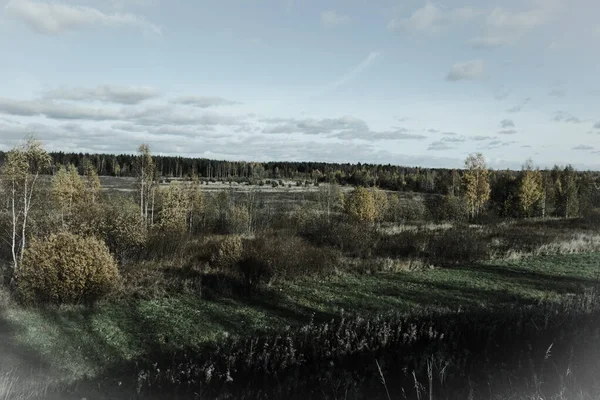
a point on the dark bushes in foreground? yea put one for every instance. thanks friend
(550, 349)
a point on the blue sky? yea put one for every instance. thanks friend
(401, 82)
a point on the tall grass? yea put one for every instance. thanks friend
(545, 350)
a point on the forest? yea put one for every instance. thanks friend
(194, 278)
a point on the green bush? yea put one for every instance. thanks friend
(401, 210)
(288, 257)
(447, 208)
(461, 245)
(353, 238)
(66, 268)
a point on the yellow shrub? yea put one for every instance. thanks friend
(360, 205)
(66, 268)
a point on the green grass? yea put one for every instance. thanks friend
(75, 341)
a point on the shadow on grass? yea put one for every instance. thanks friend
(112, 338)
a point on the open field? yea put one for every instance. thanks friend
(75, 342)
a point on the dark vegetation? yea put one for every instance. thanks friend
(324, 293)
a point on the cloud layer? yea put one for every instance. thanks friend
(54, 18)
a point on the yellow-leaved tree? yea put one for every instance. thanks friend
(360, 205)
(530, 188)
(476, 181)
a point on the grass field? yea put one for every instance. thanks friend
(69, 343)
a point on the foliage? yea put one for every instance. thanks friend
(476, 183)
(447, 208)
(530, 188)
(125, 229)
(19, 176)
(567, 199)
(402, 210)
(66, 268)
(173, 215)
(380, 198)
(360, 205)
(238, 220)
(67, 190)
(227, 253)
(460, 245)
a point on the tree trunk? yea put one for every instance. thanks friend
(14, 228)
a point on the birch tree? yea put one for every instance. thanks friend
(530, 188)
(145, 170)
(19, 178)
(476, 180)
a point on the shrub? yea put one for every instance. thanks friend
(380, 198)
(125, 230)
(227, 253)
(447, 208)
(400, 210)
(456, 246)
(275, 256)
(238, 220)
(66, 268)
(355, 239)
(360, 205)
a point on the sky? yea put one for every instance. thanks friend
(403, 82)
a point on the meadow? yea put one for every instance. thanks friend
(196, 288)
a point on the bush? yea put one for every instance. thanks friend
(456, 246)
(360, 205)
(401, 210)
(66, 268)
(276, 256)
(125, 230)
(447, 208)
(238, 220)
(227, 253)
(354, 239)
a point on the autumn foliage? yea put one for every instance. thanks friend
(66, 268)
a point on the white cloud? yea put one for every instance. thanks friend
(54, 110)
(561, 116)
(583, 147)
(104, 93)
(507, 123)
(500, 26)
(332, 18)
(439, 146)
(557, 93)
(480, 138)
(431, 19)
(508, 132)
(506, 27)
(54, 18)
(469, 70)
(203, 101)
(519, 107)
